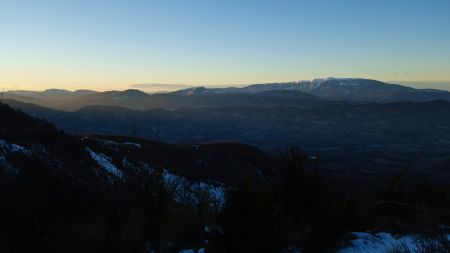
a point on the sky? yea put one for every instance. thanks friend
(105, 45)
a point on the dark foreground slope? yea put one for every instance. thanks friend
(67, 193)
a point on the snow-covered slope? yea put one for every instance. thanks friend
(386, 243)
(105, 162)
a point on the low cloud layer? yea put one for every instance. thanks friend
(426, 84)
(152, 87)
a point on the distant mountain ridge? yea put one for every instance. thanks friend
(337, 89)
(138, 100)
(51, 94)
(299, 93)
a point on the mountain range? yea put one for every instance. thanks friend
(106, 178)
(301, 93)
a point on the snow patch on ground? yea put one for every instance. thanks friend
(110, 142)
(374, 243)
(132, 144)
(216, 193)
(8, 148)
(187, 191)
(192, 251)
(13, 148)
(292, 250)
(380, 243)
(7, 166)
(106, 163)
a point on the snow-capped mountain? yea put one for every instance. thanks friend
(337, 89)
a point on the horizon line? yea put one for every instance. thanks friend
(181, 86)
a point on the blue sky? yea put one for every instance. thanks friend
(114, 44)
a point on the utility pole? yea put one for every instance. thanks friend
(133, 127)
(3, 93)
